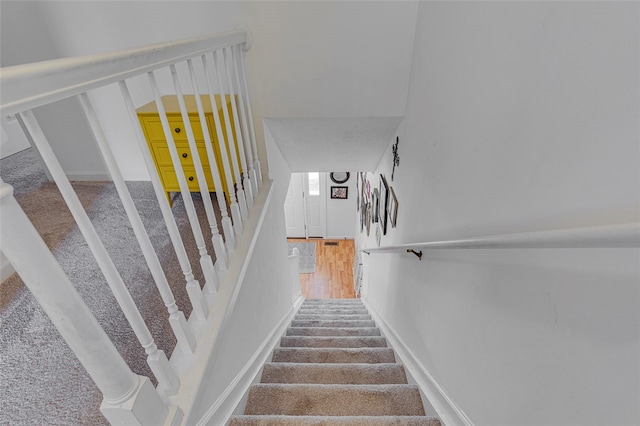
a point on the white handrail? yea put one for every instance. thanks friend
(608, 236)
(32, 85)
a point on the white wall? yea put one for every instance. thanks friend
(340, 212)
(520, 117)
(13, 139)
(26, 36)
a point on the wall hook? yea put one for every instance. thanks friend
(417, 253)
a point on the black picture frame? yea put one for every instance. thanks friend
(339, 177)
(384, 203)
(340, 192)
(393, 207)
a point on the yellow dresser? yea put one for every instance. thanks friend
(154, 134)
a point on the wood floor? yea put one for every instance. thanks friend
(333, 278)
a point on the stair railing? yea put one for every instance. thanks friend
(608, 236)
(26, 87)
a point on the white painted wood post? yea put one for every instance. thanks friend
(242, 201)
(216, 238)
(168, 381)
(213, 164)
(177, 320)
(128, 398)
(251, 185)
(198, 303)
(235, 208)
(254, 142)
(211, 279)
(227, 55)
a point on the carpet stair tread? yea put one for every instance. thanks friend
(332, 317)
(333, 331)
(333, 342)
(332, 323)
(334, 355)
(334, 421)
(346, 374)
(333, 367)
(335, 400)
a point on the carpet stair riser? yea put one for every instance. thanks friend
(342, 305)
(334, 421)
(337, 323)
(344, 374)
(335, 400)
(333, 342)
(334, 355)
(332, 317)
(333, 331)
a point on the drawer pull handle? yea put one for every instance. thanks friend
(185, 155)
(191, 178)
(177, 129)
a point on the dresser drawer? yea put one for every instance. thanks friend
(154, 131)
(163, 156)
(170, 180)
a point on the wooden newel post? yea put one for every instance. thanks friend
(128, 398)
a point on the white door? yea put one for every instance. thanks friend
(316, 205)
(305, 206)
(294, 208)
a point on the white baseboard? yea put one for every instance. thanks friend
(222, 410)
(447, 410)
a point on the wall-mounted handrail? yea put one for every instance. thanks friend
(608, 236)
(32, 85)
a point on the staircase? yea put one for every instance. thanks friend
(333, 368)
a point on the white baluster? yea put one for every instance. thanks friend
(211, 279)
(178, 322)
(167, 379)
(242, 201)
(128, 398)
(217, 180)
(245, 126)
(254, 142)
(230, 67)
(198, 303)
(235, 208)
(216, 238)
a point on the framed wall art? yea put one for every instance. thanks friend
(375, 205)
(393, 207)
(339, 177)
(339, 192)
(384, 203)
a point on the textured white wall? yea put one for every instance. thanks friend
(521, 117)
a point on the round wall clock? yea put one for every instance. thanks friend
(340, 177)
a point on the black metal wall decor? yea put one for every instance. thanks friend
(396, 157)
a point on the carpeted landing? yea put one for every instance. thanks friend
(333, 368)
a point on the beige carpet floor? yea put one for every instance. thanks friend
(41, 381)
